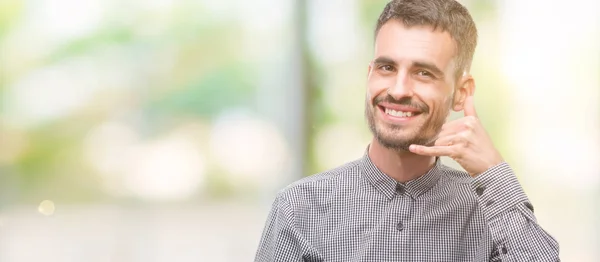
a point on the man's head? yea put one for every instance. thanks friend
(423, 54)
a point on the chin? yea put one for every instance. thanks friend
(401, 139)
(398, 133)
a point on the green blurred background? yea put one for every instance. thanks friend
(160, 130)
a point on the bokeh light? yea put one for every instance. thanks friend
(46, 208)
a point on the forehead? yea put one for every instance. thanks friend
(415, 43)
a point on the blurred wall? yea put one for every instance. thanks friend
(550, 58)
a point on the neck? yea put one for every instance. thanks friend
(402, 166)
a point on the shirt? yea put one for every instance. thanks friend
(357, 213)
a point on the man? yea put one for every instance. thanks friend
(398, 202)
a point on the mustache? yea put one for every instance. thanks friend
(405, 101)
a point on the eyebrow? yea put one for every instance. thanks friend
(384, 60)
(421, 64)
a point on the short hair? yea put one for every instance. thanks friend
(446, 15)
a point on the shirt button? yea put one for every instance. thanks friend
(479, 190)
(529, 205)
(504, 250)
(490, 202)
(400, 226)
(400, 189)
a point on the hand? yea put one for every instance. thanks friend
(466, 141)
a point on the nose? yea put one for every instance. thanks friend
(401, 87)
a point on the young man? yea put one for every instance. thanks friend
(398, 202)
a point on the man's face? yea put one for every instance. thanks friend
(410, 85)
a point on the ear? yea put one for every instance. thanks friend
(465, 87)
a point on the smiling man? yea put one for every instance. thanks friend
(399, 202)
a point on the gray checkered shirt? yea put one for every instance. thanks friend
(357, 213)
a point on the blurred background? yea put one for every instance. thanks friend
(161, 130)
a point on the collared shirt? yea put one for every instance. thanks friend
(357, 213)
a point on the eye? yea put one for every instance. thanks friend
(387, 68)
(424, 73)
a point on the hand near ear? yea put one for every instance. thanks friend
(466, 141)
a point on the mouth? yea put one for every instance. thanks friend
(399, 113)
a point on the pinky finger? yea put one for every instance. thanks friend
(433, 150)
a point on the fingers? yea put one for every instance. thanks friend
(449, 131)
(433, 150)
(467, 124)
(469, 107)
(450, 145)
(450, 140)
(454, 135)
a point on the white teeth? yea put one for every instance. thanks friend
(398, 113)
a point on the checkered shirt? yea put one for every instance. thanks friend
(357, 213)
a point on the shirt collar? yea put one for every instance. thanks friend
(390, 187)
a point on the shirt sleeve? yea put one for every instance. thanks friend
(280, 240)
(512, 223)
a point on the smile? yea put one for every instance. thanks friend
(398, 113)
(392, 112)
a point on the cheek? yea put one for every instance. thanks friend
(437, 90)
(376, 86)
(438, 109)
(442, 107)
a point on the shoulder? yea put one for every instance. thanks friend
(456, 182)
(317, 187)
(455, 176)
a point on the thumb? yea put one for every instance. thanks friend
(469, 107)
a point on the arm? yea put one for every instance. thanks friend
(513, 226)
(515, 232)
(280, 240)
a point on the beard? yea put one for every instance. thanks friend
(423, 130)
